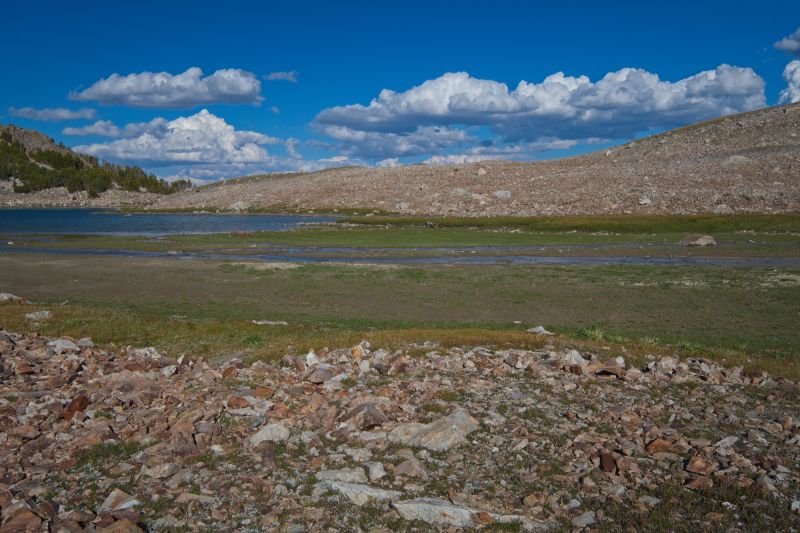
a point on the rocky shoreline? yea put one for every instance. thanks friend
(366, 439)
(61, 197)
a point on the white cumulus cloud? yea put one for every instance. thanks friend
(202, 147)
(200, 138)
(382, 145)
(620, 105)
(791, 74)
(106, 128)
(291, 76)
(790, 43)
(52, 114)
(165, 90)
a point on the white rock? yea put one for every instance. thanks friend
(150, 352)
(376, 470)
(275, 432)
(8, 297)
(161, 471)
(727, 442)
(85, 342)
(239, 206)
(348, 475)
(584, 519)
(359, 455)
(169, 371)
(311, 359)
(699, 240)
(38, 315)
(269, 323)
(63, 345)
(573, 357)
(439, 435)
(441, 512)
(371, 436)
(360, 494)
(435, 511)
(667, 364)
(648, 501)
(539, 330)
(502, 195)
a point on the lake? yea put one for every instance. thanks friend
(112, 222)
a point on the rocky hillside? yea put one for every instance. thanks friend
(34, 141)
(741, 163)
(367, 439)
(31, 162)
(62, 197)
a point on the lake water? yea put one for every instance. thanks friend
(20, 222)
(111, 222)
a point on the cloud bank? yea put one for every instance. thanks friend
(561, 107)
(52, 114)
(165, 90)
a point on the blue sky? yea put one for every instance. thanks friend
(468, 58)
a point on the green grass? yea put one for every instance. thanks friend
(610, 223)
(683, 510)
(107, 451)
(699, 309)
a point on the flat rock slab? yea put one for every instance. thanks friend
(276, 432)
(442, 512)
(348, 475)
(699, 240)
(63, 345)
(439, 435)
(360, 494)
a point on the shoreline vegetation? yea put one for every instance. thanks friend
(203, 337)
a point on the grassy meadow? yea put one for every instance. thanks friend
(206, 307)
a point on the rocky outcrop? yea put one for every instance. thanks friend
(131, 439)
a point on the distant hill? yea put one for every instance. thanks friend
(748, 162)
(34, 162)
